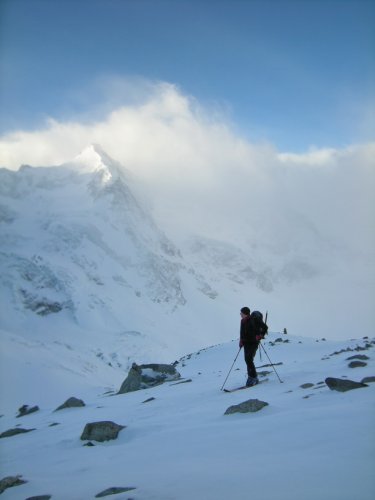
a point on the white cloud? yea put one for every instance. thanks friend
(313, 157)
(201, 175)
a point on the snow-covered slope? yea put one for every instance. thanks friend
(308, 443)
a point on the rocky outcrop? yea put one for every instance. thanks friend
(361, 357)
(148, 400)
(26, 410)
(9, 481)
(114, 491)
(14, 432)
(71, 403)
(368, 345)
(249, 406)
(145, 376)
(101, 431)
(343, 385)
(357, 364)
(40, 497)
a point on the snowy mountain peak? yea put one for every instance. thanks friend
(77, 246)
(94, 159)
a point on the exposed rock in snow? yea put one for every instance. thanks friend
(114, 491)
(10, 481)
(26, 410)
(149, 375)
(40, 497)
(307, 385)
(101, 431)
(14, 432)
(361, 357)
(357, 364)
(71, 403)
(343, 385)
(249, 406)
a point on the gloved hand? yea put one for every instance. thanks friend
(240, 344)
(259, 337)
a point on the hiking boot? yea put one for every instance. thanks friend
(252, 381)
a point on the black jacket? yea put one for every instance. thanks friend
(248, 331)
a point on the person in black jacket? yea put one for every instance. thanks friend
(249, 340)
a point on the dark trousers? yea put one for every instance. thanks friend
(249, 352)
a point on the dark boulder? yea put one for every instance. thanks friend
(40, 497)
(343, 385)
(101, 431)
(307, 385)
(249, 406)
(71, 403)
(361, 357)
(14, 432)
(114, 491)
(10, 481)
(26, 410)
(146, 376)
(357, 364)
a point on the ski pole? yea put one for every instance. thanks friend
(271, 363)
(235, 359)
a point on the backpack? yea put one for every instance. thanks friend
(259, 326)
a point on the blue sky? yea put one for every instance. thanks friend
(294, 73)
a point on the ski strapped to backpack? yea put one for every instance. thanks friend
(264, 327)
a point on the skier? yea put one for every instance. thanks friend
(249, 340)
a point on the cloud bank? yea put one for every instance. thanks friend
(202, 176)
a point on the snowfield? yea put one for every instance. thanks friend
(308, 443)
